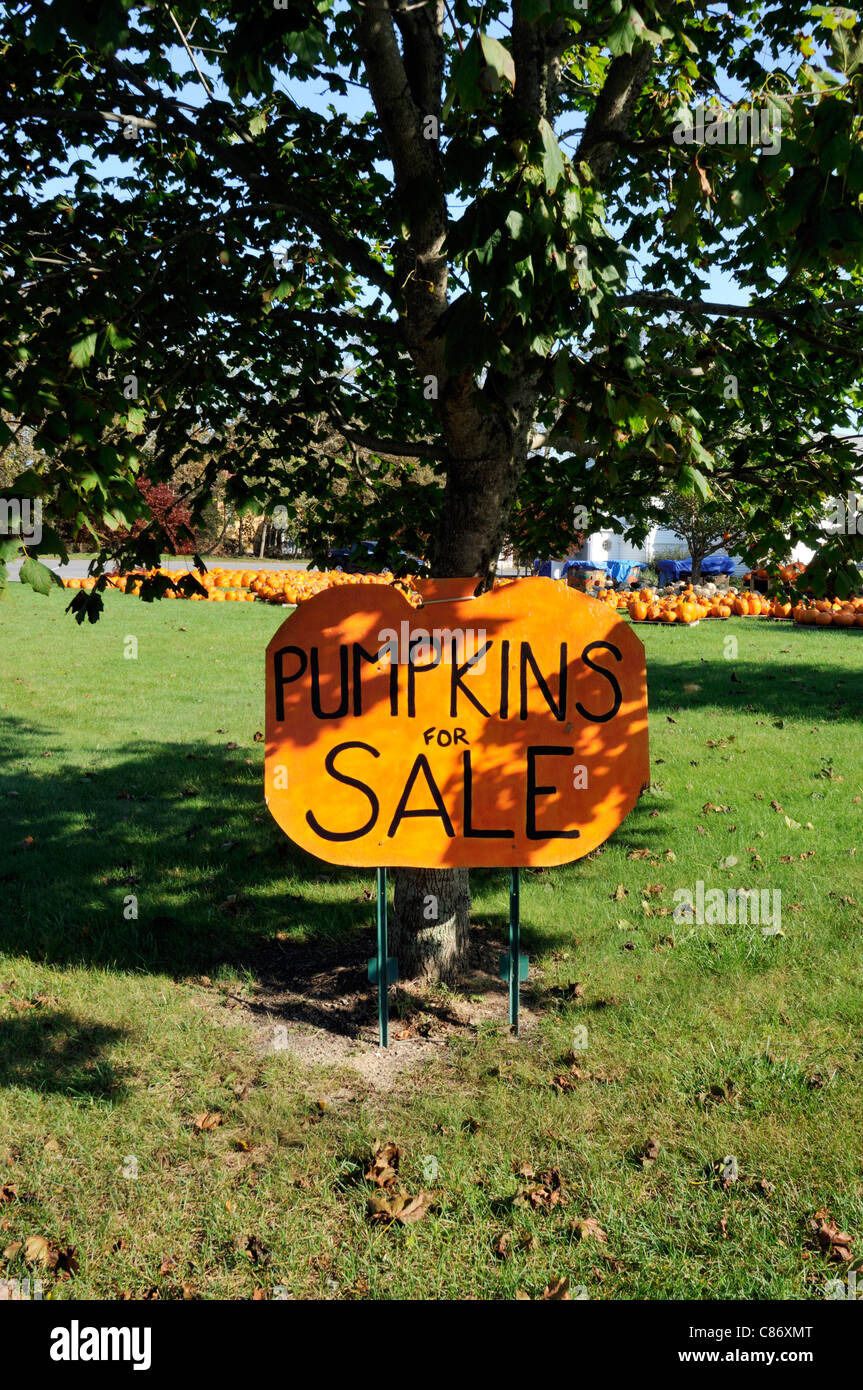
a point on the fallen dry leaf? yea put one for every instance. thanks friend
(651, 1151)
(384, 1169)
(399, 1206)
(501, 1246)
(716, 1095)
(573, 989)
(543, 1194)
(207, 1120)
(36, 1250)
(415, 1208)
(834, 1244)
(588, 1228)
(557, 1289)
(255, 1251)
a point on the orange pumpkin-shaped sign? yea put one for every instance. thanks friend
(509, 729)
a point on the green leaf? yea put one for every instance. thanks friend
(86, 604)
(692, 480)
(552, 160)
(38, 576)
(498, 57)
(622, 35)
(464, 79)
(82, 350)
(533, 10)
(116, 338)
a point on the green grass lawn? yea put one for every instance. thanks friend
(143, 777)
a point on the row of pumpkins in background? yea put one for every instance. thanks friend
(688, 607)
(685, 606)
(244, 586)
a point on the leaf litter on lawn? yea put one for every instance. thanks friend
(389, 1202)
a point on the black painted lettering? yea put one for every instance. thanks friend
(533, 791)
(609, 676)
(557, 707)
(456, 682)
(421, 766)
(330, 765)
(413, 667)
(360, 654)
(282, 680)
(470, 832)
(317, 708)
(504, 679)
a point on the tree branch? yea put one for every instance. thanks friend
(610, 117)
(673, 304)
(404, 91)
(391, 448)
(349, 250)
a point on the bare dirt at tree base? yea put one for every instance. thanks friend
(318, 1005)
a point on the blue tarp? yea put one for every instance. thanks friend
(711, 564)
(620, 570)
(556, 569)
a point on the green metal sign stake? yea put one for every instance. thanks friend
(383, 972)
(383, 969)
(514, 945)
(513, 966)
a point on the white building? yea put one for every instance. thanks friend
(660, 544)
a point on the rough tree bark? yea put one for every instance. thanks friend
(431, 923)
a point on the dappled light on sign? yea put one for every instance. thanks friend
(505, 729)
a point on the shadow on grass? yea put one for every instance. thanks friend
(47, 1050)
(167, 860)
(790, 690)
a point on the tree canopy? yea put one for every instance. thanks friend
(480, 243)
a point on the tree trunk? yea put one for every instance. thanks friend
(431, 927)
(478, 497)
